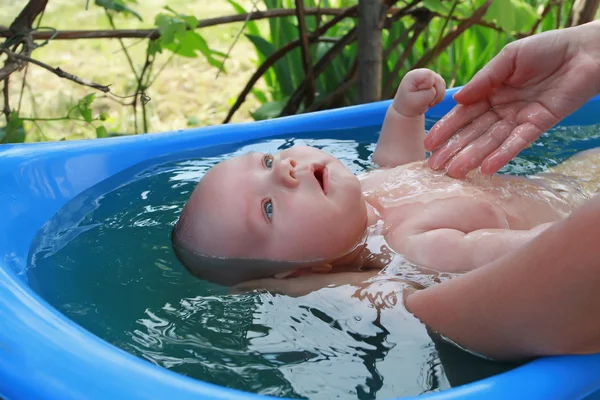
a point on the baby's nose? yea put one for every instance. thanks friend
(287, 172)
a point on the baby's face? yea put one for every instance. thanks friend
(298, 205)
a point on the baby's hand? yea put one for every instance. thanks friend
(419, 90)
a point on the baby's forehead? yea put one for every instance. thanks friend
(218, 211)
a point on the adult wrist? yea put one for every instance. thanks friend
(589, 38)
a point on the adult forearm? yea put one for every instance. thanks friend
(543, 299)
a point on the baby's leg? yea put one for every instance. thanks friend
(584, 167)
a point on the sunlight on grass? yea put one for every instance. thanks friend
(185, 94)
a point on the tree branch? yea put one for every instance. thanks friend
(280, 53)
(543, 14)
(349, 80)
(296, 98)
(388, 88)
(306, 59)
(155, 33)
(453, 34)
(24, 20)
(5, 93)
(57, 71)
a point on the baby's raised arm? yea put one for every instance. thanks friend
(402, 134)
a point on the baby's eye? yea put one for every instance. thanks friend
(268, 208)
(268, 161)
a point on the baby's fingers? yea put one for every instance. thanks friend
(440, 90)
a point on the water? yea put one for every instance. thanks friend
(105, 261)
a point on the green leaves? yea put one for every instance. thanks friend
(83, 106)
(14, 132)
(511, 15)
(177, 35)
(118, 6)
(101, 132)
(269, 110)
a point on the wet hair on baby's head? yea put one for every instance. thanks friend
(221, 270)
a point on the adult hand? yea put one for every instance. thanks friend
(526, 89)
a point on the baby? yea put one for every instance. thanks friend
(302, 211)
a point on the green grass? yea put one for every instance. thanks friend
(186, 94)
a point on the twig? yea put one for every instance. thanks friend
(141, 88)
(537, 23)
(237, 37)
(28, 14)
(163, 67)
(155, 33)
(296, 98)
(306, 59)
(388, 89)
(559, 13)
(22, 88)
(129, 60)
(456, 68)
(294, 102)
(280, 53)
(349, 80)
(453, 34)
(5, 92)
(443, 30)
(19, 32)
(392, 46)
(57, 71)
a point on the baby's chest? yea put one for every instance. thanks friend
(421, 203)
(393, 190)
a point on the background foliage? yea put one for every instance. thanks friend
(152, 80)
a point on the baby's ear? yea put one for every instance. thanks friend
(321, 268)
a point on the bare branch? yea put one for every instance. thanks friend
(388, 88)
(24, 20)
(277, 55)
(583, 11)
(453, 34)
(296, 98)
(341, 90)
(543, 14)
(57, 71)
(306, 59)
(392, 46)
(559, 13)
(155, 33)
(393, 12)
(20, 35)
(5, 93)
(237, 37)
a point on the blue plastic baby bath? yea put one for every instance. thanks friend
(43, 355)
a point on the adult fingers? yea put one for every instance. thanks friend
(456, 119)
(475, 153)
(521, 137)
(497, 71)
(442, 155)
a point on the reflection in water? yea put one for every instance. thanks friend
(105, 261)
